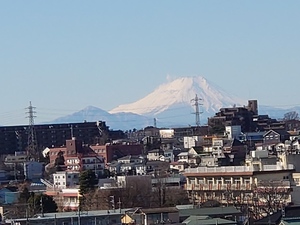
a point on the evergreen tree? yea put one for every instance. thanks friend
(87, 181)
(39, 203)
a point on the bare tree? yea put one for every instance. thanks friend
(293, 115)
(269, 197)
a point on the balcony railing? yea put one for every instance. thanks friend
(222, 169)
(218, 187)
(238, 169)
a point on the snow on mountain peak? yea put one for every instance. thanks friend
(180, 92)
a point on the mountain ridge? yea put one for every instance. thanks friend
(170, 105)
(181, 90)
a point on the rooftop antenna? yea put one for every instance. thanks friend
(32, 151)
(72, 132)
(197, 111)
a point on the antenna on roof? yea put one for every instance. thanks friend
(72, 133)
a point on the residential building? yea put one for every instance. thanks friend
(233, 132)
(169, 215)
(112, 151)
(228, 184)
(66, 179)
(78, 157)
(153, 155)
(242, 116)
(33, 171)
(178, 166)
(273, 137)
(111, 217)
(15, 138)
(193, 141)
(9, 195)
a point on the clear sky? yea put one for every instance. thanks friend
(66, 55)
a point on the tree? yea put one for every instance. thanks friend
(59, 161)
(87, 181)
(269, 197)
(41, 203)
(217, 129)
(24, 195)
(293, 115)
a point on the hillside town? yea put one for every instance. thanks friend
(240, 168)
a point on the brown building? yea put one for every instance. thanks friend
(112, 152)
(77, 156)
(15, 138)
(242, 116)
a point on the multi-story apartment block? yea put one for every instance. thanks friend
(15, 138)
(232, 184)
(234, 116)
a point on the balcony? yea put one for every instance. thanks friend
(222, 169)
(218, 187)
(238, 169)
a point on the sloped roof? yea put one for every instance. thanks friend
(205, 220)
(211, 211)
(160, 210)
(232, 143)
(280, 132)
(272, 219)
(155, 151)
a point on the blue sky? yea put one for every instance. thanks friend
(66, 55)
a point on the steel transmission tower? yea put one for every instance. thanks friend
(32, 151)
(197, 112)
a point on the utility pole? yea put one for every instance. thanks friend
(41, 202)
(112, 201)
(79, 220)
(119, 203)
(32, 151)
(197, 111)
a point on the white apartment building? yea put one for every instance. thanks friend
(78, 162)
(190, 142)
(229, 184)
(65, 179)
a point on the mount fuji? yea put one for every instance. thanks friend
(172, 104)
(181, 92)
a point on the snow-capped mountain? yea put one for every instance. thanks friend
(170, 105)
(173, 102)
(181, 92)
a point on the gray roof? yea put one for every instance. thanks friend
(96, 213)
(203, 220)
(210, 211)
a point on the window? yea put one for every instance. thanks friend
(237, 180)
(219, 180)
(209, 180)
(227, 180)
